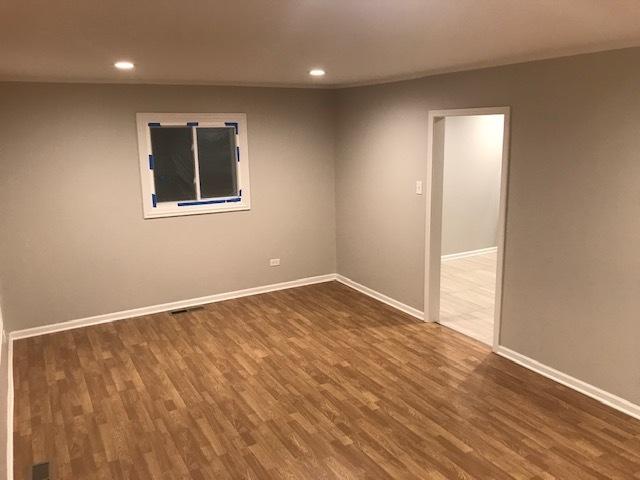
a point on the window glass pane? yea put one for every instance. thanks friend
(217, 162)
(174, 170)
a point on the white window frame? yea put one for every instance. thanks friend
(154, 209)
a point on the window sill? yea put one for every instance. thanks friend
(173, 211)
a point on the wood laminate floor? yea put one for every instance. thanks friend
(467, 295)
(317, 382)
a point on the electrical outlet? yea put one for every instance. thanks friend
(419, 187)
(274, 262)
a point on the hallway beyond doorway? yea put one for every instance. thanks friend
(467, 295)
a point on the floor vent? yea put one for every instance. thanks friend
(185, 310)
(40, 472)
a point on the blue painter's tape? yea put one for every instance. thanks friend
(154, 200)
(238, 153)
(209, 202)
(192, 124)
(154, 124)
(232, 124)
(200, 202)
(152, 162)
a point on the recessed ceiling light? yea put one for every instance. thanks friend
(124, 65)
(317, 72)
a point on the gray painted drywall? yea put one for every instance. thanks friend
(73, 242)
(4, 396)
(571, 281)
(471, 183)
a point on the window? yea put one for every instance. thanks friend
(193, 163)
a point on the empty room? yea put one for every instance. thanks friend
(313, 239)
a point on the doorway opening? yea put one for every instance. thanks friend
(465, 228)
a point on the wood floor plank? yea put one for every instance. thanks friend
(317, 382)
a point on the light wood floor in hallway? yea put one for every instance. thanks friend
(317, 382)
(467, 295)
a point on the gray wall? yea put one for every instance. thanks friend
(73, 242)
(471, 182)
(571, 280)
(4, 396)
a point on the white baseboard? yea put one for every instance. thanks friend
(587, 389)
(596, 393)
(414, 312)
(470, 253)
(165, 307)
(606, 398)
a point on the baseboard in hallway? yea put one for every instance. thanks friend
(470, 253)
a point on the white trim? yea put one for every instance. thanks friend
(10, 396)
(166, 307)
(585, 388)
(172, 209)
(606, 398)
(414, 312)
(433, 223)
(463, 112)
(196, 162)
(470, 253)
(600, 395)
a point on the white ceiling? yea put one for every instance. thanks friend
(276, 42)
